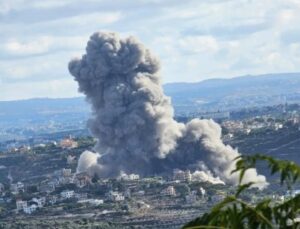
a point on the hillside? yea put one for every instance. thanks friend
(214, 94)
(236, 93)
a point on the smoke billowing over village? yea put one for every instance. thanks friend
(149, 114)
(133, 120)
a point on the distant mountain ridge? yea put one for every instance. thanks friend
(238, 92)
(212, 94)
(43, 105)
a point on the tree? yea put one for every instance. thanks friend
(235, 213)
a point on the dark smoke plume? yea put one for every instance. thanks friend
(133, 119)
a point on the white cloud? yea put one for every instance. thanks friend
(79, 21)
(90, 18)
(34, 69)
(196, 44)
(48, 4)
(27, 48)
(7, 6)
(51, 89)
(41, 45)
(195, 40)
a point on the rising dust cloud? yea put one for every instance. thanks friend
(133, 120)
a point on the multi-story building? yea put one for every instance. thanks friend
(130, 177)
(39, 201)
(82, 179)
(17, 188)
(68, 143)
(30, 209)
(115, 196)
(66, 172)
(67, 194)
(169, 191)
(182, 175)
(20, 204)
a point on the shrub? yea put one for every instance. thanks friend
(236, 213)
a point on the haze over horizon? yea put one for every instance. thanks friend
(194, 40)
(172, 85)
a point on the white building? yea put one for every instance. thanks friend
(20, 204)
(67, 194)
(129, 177)
(115, 196)
(140, 193)
(278, 126)
(16, 188)
(66, 172)
(82, 179)
(66, 180)
(169, 191)
(39, 201)
(24, 149)
(23, 205)
(52, 199)
(182, 175)
(30, 209)
(68, 143)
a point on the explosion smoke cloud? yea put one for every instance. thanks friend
(133, 119)
(88, 162)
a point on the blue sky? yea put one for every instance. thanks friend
(194, 39)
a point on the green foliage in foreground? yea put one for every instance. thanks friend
(234, 213)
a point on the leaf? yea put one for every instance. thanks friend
(241, 188)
